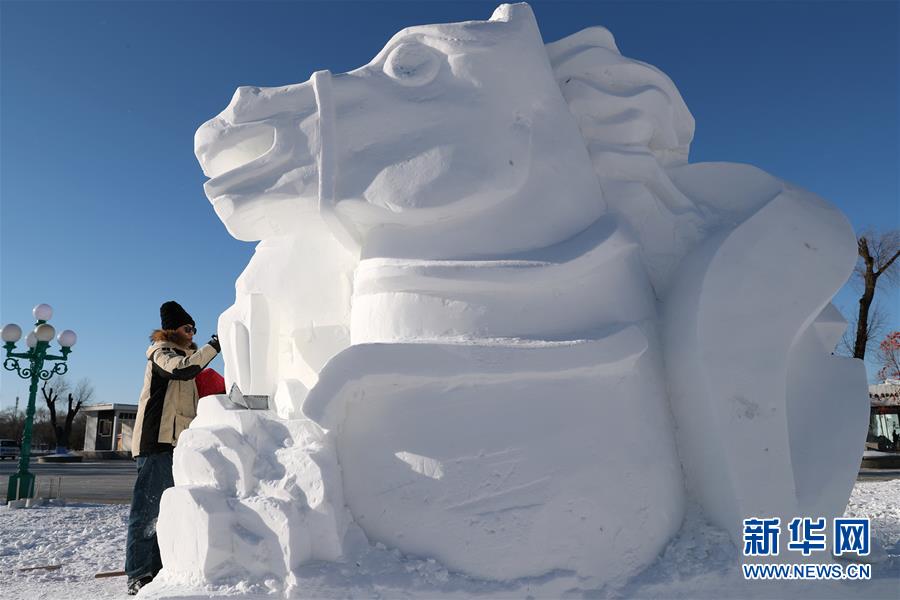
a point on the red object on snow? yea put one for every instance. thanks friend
(209, 382)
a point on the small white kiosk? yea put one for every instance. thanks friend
(109, 427)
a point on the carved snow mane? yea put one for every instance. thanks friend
(620, 101)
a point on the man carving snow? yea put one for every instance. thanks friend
(167, 405)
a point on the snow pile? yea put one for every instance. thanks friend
(493, 305)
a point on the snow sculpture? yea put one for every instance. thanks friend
(487, 289)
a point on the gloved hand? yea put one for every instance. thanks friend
(214, 342)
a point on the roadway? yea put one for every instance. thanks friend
(111, 481)
(106, 482)
(878, 474)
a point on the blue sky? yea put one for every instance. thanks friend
(102, 211)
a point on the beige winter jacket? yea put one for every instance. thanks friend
(168, 401)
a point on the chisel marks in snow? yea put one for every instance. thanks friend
(517, 492)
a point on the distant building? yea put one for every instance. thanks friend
(109, 427)
(884, 416)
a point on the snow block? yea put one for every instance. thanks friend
(218, 457)
(205, 537)
(312, 472)
(277, 481)
(749, 333)
(498, 460)
(195, 531)
(277, 529)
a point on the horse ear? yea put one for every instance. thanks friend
(519, 14)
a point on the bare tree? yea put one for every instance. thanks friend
(11, 423)
(878, 254)
(51, 393)
(76, 399)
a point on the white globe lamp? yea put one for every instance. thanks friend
(12, 333)
(42, 312)
(67, 338)
(44, 332)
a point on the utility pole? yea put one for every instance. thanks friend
(16, 421)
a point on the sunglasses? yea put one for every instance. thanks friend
(189, 329)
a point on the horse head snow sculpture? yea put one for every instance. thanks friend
(487, 281)
(426, 152)
(436, 128)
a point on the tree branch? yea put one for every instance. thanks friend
(888, 264)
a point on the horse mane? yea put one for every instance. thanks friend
(637, 131)
(619, 101)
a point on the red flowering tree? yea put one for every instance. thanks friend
(889, 356)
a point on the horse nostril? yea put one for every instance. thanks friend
(242, 96)
(251, 104)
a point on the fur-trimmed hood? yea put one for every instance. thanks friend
(173, 336)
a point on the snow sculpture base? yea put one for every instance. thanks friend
(495, 459)
(255, 496)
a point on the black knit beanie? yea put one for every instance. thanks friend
(173, 316)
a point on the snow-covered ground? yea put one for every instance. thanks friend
(699, 563)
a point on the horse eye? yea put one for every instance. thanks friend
(412, 64)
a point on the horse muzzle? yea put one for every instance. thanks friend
(262, 154)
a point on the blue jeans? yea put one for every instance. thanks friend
(142, 550)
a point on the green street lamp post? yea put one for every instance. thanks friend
(21, 485)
